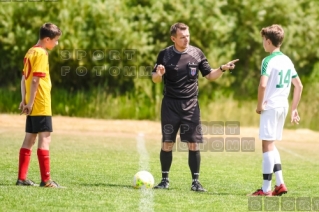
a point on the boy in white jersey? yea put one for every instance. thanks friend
(277, 74)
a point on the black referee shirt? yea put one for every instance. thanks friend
(181, 71)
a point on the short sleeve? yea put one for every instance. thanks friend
(294, 73)
(40, 63)
(265, 69)
(204, 66)
(25, 60)
(159, 60)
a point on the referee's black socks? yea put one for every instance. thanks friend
(194, 163)
(166, 159)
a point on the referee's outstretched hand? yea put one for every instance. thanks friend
(230, 65)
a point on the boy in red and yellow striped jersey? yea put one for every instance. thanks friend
(36, 104)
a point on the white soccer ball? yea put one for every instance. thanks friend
(143, 179)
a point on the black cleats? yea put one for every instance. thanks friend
(164, 184)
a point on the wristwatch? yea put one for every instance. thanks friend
(221, 69)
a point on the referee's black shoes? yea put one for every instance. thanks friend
(164, 184)
(196, 186)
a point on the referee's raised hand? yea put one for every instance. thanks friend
(160, 70)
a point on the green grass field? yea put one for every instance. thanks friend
(96, 160)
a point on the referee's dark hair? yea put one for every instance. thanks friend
(177, 26)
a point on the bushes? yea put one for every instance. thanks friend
(224, 30)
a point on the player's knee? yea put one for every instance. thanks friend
(29, 140)
(167, 146)
(193, 146)
(44, 140)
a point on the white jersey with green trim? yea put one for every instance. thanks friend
(280, 70)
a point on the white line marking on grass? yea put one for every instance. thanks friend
(296, 155)
(144, 158)
(147, 195)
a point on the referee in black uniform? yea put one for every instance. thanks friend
(178, 67)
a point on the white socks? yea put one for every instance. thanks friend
(278, 173)
(271, 163)
(267, 166)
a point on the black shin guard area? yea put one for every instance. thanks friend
(194, 163)
(267, 177)
(166, 161)
(277, 167)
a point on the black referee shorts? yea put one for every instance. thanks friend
(183, 115)
(36, 124)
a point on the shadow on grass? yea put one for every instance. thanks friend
(131, 187)
(222, 194)
(106, 185)
(7, 184)
(14, 185)
(121, 186)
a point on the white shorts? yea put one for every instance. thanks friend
(272, 123)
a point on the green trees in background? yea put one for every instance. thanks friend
(224, 30)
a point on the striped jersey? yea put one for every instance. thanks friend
(181, 71)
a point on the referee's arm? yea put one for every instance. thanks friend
(157, 76)
(216, 73)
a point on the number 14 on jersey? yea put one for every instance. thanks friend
(284, 80)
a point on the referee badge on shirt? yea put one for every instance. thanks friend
(193, 71)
